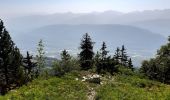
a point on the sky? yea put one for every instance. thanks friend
(79, 6)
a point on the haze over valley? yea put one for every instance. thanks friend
(142, 32)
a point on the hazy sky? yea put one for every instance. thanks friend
(51, 6)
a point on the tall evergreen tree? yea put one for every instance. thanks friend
(10, 61)
(123, 56)
(86, 54)
(66, 61)
(104, 61)
(29, 67)
(97, 60)
(17, 65)
(65, 56)
(40, 58)
(130, 65)
(117, 56)
(104, 52)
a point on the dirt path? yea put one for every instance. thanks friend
(91, 94)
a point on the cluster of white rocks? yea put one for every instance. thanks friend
(89, 77)
(94, 78)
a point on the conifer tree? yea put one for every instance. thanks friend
(117, 56)
(123, 56)
(130, 65)
(97, 57)
(17, 65)
(65, 56)
(86, 54)
(40, 58)
(29, 67)
(104, 62)
(103, 51)
(66, 61)
(97, 60)
(10, 61)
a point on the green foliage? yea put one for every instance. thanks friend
(29, 68)
(118, 87)
(51, 89)
(66, 61)
(103, 62)
(104, 52)
(58, 69)
(124, 70)
(159, 67)
(10, 62)
(123, 87)
(117, 55)
(129, 64)
(121, 58)
(65, 65)
(40, 57)
(86, 54)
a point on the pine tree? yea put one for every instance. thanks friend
(104, 62)
(65, 56)
(10, 61)
(117, 56)
(103, 51)
(17, 65)
(86, 54)
(123, 56)
(97, 60)
(66, 61)
(97, 57)
(40, 58)
(29, 67)
(130, 65)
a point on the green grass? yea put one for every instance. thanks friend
(118, 87)
(65, 88)
(123, 87)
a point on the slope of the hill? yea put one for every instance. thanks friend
(50, 89)
(71, 87)
(133, 88)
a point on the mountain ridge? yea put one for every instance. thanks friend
(59, 37)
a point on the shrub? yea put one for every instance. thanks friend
(59, 68)
(124, 70)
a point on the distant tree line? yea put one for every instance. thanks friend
(101, 60)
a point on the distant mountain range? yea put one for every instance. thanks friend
(154, 20)
(141, 32)
(139, 42)
(161, 26)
